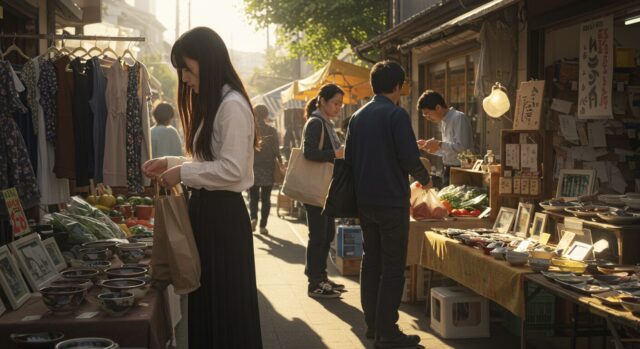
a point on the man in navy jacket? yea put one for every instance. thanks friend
(382, 151)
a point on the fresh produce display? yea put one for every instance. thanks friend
(464, 200)
(79, 207)
(78, 233)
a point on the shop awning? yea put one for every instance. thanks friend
(463, 19)
(353, 79)
(273, 101)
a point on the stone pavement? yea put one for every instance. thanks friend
(290, 319)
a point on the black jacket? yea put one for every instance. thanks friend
(382, 151)
(311, 138)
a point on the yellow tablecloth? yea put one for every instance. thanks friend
(490, 278)
(417, 229)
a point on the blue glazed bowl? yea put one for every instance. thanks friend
(116, 303)
(63, 300)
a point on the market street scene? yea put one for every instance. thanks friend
(346, 174)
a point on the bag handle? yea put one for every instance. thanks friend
(304, 130)
(165, 190)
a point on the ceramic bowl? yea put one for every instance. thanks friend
(556, 206)
(131, 255)
(542, 254)
(612, 279)
(100, 265)
(499, 253)
(569, 265)
(86, 283)
(84, 343)
(94, 254)
(539, 264)
(41, 340)
(81, 273)
(62, 300)
(111, 245)
(136, 286)
(517, 258)
(631, 304)
(116, 303)
(125, 272)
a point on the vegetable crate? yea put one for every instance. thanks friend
(490, 180)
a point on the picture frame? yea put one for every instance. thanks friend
(575, 183)
(477, 166)
(504, 220)
(538, 225)
(57, 258)
(523, 219)
(578, 251)
(12, 283)
(34, 261)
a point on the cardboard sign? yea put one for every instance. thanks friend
(16, 213)
(529, 105)
(544, 238)
(506, 185)
(596, 69)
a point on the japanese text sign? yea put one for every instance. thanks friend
(596, 69)
(529, 105)
(16, 214)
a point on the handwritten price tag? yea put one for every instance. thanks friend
(16, 213)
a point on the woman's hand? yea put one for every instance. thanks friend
(171, 177)
(154, 167)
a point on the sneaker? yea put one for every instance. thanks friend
(400, 341)
(264, 231)
(254, 223)
(337, 287)
(323, 290)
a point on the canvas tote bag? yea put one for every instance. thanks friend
(307, 181)
(174, 258)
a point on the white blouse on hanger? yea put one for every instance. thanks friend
(232, 147)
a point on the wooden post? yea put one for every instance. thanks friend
(51, 20)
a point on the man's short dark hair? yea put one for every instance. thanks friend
(430, 99)
(385, 76)
(163, 113)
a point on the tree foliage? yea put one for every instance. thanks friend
(321, 29)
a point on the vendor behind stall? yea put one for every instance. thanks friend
(457, 135)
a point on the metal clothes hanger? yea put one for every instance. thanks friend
(16, 49)
(128, 52)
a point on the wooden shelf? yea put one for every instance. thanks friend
(594, 224)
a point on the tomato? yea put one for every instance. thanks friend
(447, 205)
(475, 213)
(463, 212)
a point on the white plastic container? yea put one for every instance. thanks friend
(457, 312)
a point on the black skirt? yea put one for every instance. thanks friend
(223, 312)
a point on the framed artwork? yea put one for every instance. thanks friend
(54, 252)
(477, 166)
(539, 223)
(575, 183)
(578, 251)
(504, 219)
(34, 261)
(12, 283)
(523, 219)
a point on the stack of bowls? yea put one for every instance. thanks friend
(517, 259)
(138, 287)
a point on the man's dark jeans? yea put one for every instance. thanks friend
(262, 194)
(385, 232)
(321, 233)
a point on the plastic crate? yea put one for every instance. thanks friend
(349, 241)
(541, 311)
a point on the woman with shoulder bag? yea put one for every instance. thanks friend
(220, 137)
(319, 110)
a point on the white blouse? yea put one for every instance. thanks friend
(232, 147)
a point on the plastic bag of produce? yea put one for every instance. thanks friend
(80, 207)
(96, 227)
(426, 205)
(78, 233)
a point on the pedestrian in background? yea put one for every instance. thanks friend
(326, 105)
(165, 140)
(382, 151)
(220, 137)
(263, 167)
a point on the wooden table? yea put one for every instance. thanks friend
(627, 236)
(594, 306)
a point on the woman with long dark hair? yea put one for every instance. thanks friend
(220, 137)
(326, 105)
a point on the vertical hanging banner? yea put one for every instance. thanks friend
(596, 69)
(529, 105)
(16, 213)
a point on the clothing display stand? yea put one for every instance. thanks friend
(73, 37)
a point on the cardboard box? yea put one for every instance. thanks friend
(348, 266)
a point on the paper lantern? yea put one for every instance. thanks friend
(497, 103)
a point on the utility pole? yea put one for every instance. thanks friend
(177, 19)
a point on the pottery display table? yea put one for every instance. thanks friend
(470, 267)
(612, 316)
(147, 325)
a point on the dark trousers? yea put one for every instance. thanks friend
(262, 194)
(385, 232)
(321, 233)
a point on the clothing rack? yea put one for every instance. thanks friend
(73, 37)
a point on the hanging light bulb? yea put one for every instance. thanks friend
(497, 103)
